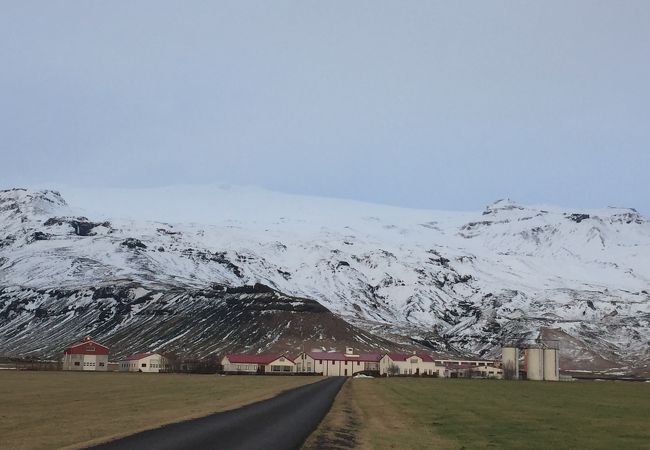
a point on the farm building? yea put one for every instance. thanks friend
(260, 364)
(455, 370)
(464, 362)
(144, 362)
(489, 372)
(337, 363)
(86, 355)
(410, 364)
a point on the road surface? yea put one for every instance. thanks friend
(282, 422)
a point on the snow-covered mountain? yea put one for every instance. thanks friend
(448, 280)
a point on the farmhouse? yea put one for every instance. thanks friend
(337, 363)
(260, 364)
(86, 355)
(410, 364)
(144, 362)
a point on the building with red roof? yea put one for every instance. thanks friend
(261, 364)
(144, 362)
(343, 364)
(87, 355)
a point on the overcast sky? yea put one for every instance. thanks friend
(444, 105)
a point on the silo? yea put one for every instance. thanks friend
(535, 362)
(510, 359)
(551, 365)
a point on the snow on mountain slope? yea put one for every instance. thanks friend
(448, 279)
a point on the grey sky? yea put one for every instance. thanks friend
(446, 105)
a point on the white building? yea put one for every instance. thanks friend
(410, 364)
(259, 364)
(337, 363)
(465, 362)
(144, 362)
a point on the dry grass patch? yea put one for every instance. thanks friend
(40, 410)
(340, 428)
(390, 421)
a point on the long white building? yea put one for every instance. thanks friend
(144, 362)
(337, 363)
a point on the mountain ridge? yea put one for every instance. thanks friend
(465, 280)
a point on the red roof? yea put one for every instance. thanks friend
(255, 359)
(406, 356)
(340, 356)
(86, 347)
(138, 356)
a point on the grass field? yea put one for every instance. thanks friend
(410, 413)
(40, 410)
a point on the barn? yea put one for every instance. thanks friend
(144, 362)
(260, 364)
(87, 355)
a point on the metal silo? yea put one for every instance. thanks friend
(510, 360)
(551, 365)
(535, 363)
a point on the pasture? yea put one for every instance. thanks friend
(412, 413)
(44, 410)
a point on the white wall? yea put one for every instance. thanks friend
(412, 366)
(96, 363)
(149, 364)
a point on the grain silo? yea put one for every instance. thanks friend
(551, 365)
(510, 361)
(535, 363)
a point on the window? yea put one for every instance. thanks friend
(358, 363)
(144, 364)
(346, 363)
(320, 361)
(332, 362)
(76, 363)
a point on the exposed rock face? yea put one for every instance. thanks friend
(81, 226)
(451, 281)
(130, 317)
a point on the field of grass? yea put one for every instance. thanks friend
(40, 410)
(410, 413)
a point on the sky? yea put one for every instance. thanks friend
(426, 104)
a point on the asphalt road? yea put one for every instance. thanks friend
(282, 422)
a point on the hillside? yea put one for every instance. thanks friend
(453, 281)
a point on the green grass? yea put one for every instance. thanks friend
(472, 414)
(45, 410)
